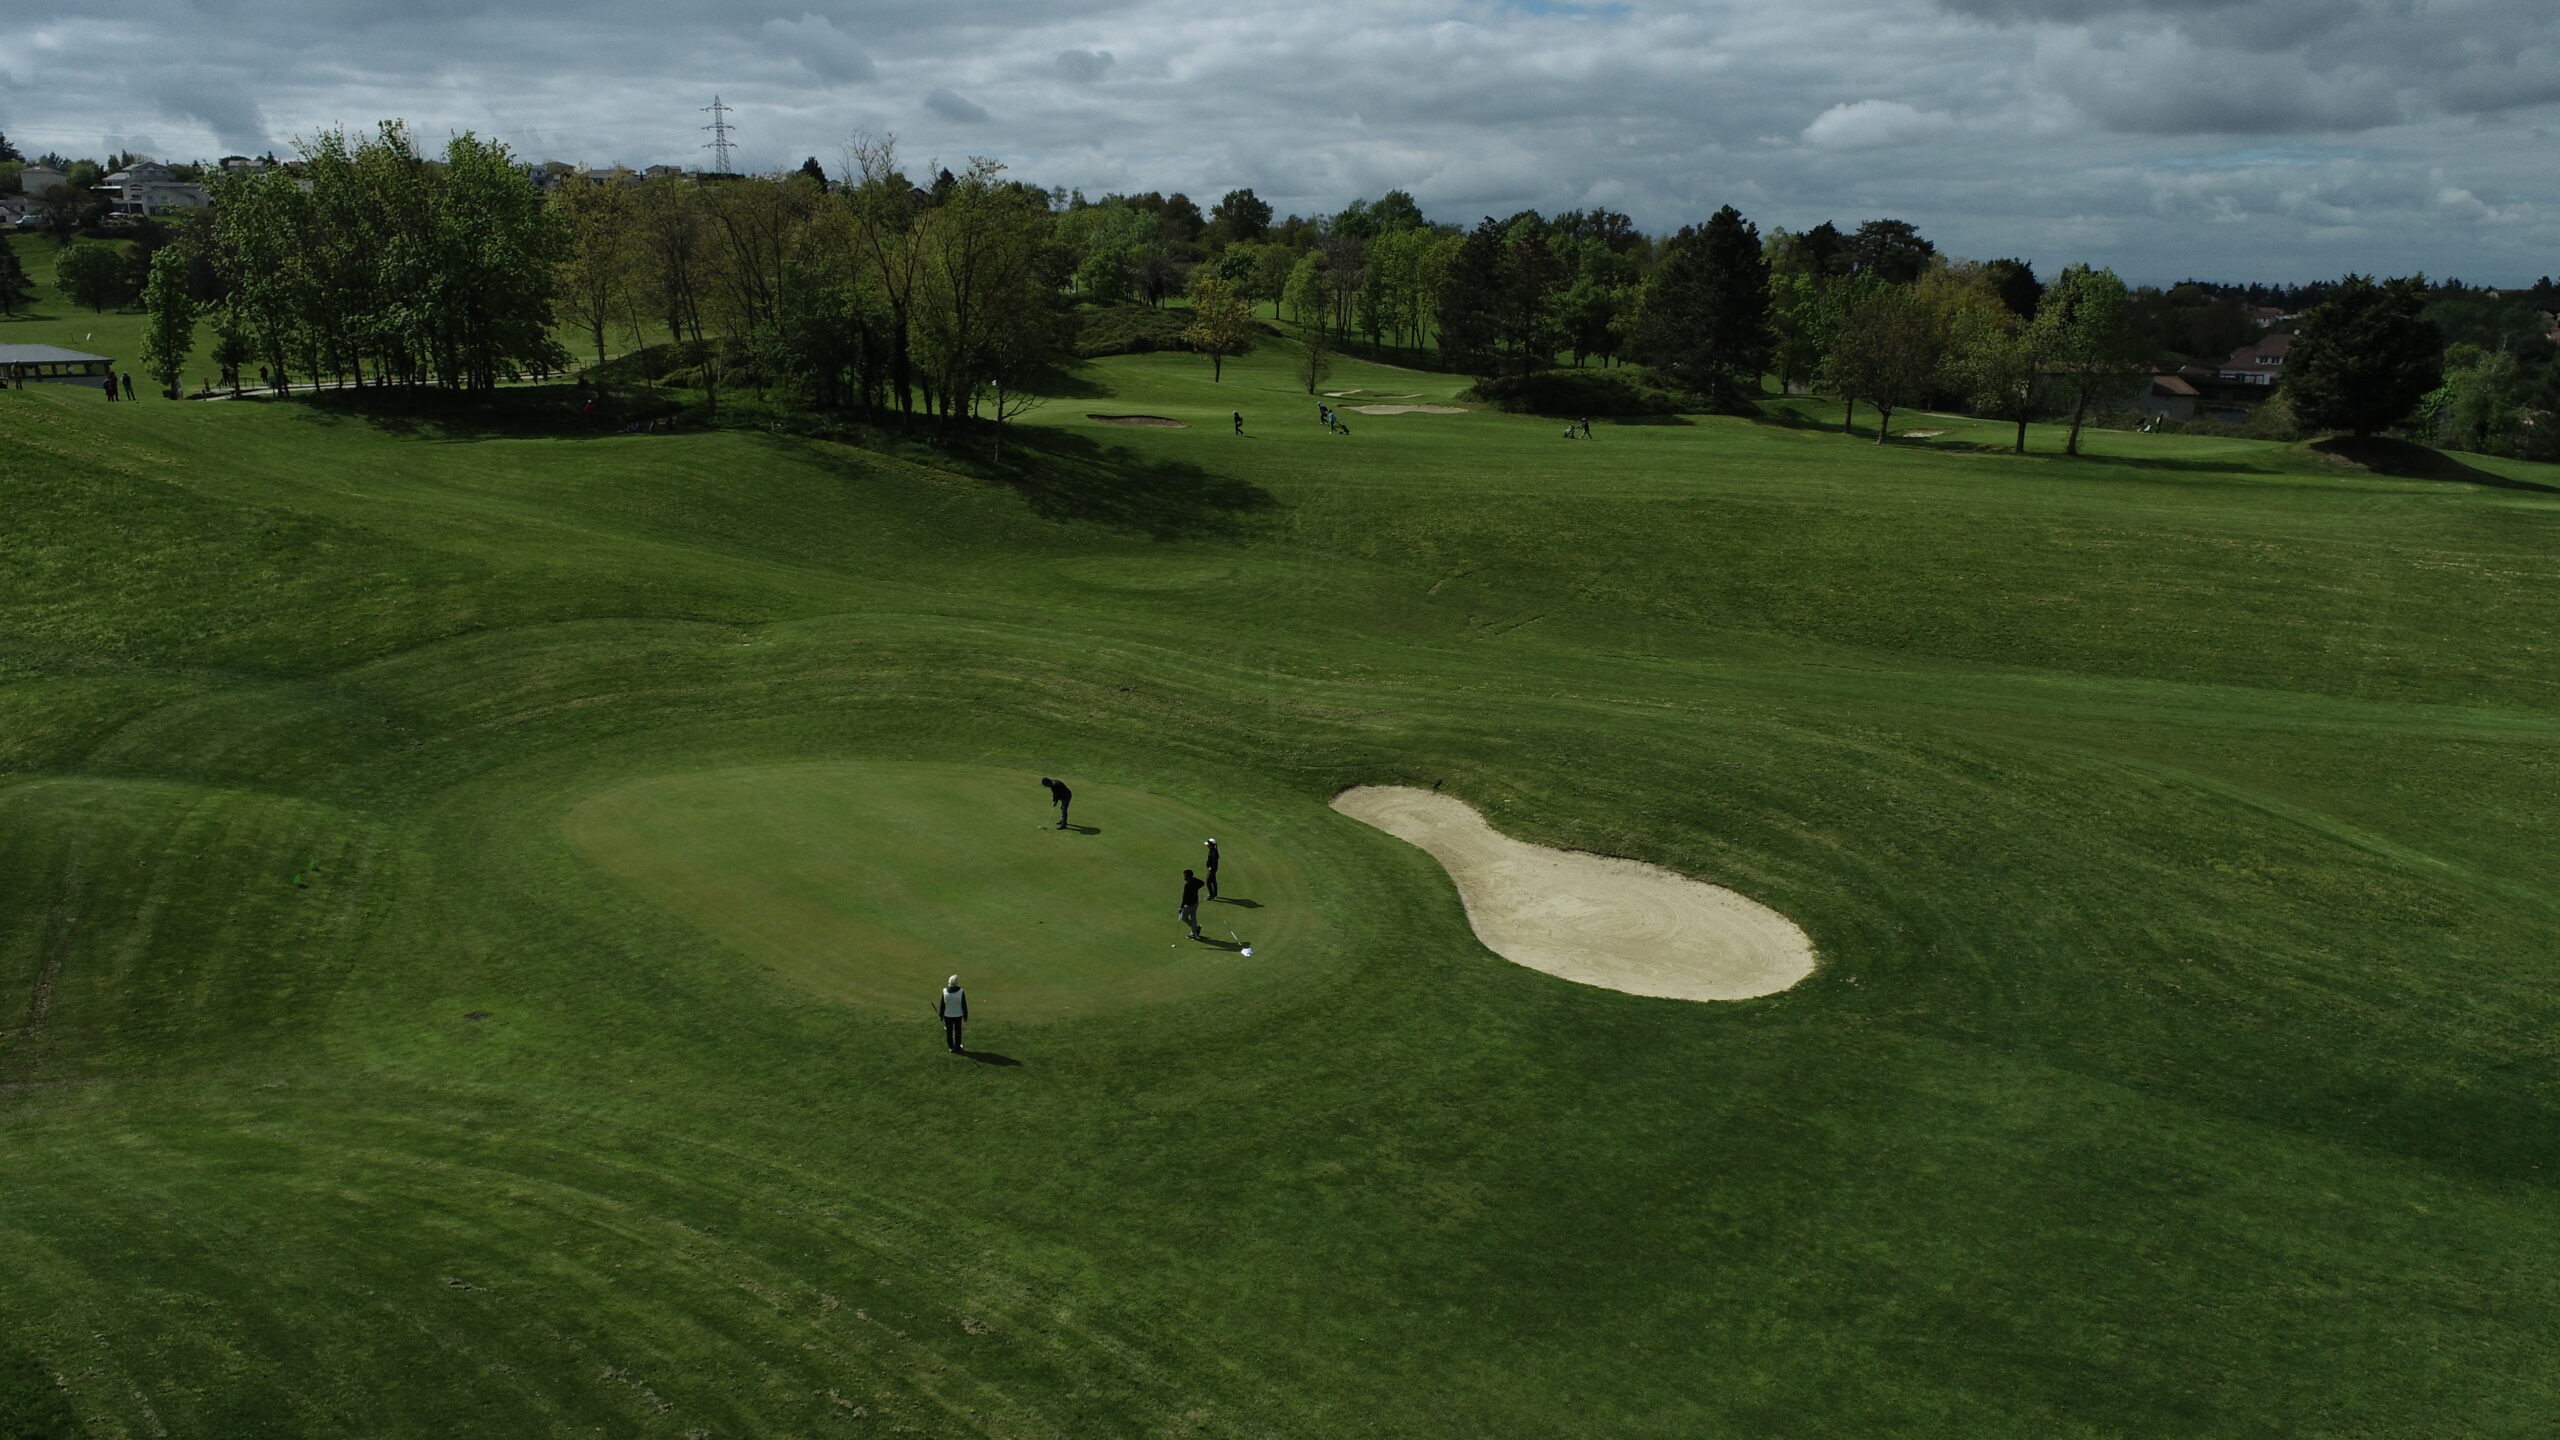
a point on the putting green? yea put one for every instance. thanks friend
(868, 882)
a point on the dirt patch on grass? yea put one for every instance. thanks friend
(1592, 919)
(1152, 422)
(1411, 409)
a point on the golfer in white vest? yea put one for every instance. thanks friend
(955, 1009)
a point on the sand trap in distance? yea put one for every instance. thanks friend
(1619, 924)
(1411, 409)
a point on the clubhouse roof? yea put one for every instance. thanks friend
(52, 362)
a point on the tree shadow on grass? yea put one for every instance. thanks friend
(1063, 475)
(2402, 460)
(517, 412)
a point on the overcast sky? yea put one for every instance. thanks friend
(2236, 139)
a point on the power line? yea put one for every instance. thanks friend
(719, 128)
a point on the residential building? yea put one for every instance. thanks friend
(2170, 398)
(36, 179)
(150, 188)
(2260, 363)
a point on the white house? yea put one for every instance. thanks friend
(36, 179)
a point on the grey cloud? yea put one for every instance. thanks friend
(955, 107)
(222, 106)
(1084, 66)
(816, 43)
(2122, 133)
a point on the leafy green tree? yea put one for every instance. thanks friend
(1885, 349)
(65, 209)
(17, 291)
(1272, 267)
(94, 273)
(2482, 404)
(1240, 216)
(1994, 362)
(1315, 358)
(599, 262)
(1221, 323)
(1705, 321)
(2365, 356)
(1305, 290)
(169, 336)
(2091, 351)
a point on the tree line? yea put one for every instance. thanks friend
(366, 263)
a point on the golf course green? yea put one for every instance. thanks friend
(472, 889)
(869, 883)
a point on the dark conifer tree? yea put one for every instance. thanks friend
(1471, 301)
(2365, 356)
(16, 290)
(1706, 309)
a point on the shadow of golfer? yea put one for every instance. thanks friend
(1220, 944)
(1083, 829)
(989, 1057)
(1238, 902)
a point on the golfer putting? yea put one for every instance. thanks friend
(1059, 795)
(953, 1006)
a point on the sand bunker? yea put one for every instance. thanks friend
(1155, 422)
(1416, 409)
(1919, 434)
(1619, 924)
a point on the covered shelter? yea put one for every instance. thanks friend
(21, 365)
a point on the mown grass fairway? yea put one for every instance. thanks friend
(870, 883)
(2175, 827)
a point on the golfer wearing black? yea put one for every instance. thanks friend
(1060, 794)
(954, 1008)
(1213, 868)
(1190, 911)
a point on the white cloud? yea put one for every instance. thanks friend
(1875, 125)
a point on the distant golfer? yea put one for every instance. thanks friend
(1239, 417)
(1059, 795)
(1213, 867)
(1190, 911)
(1586, 429)
(954, 1008)
(127, 377)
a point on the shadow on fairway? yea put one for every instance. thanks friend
(1220, 944)
(989, 1057)
(1235, 900)
(2402, 460)
(525, 412)
(1082, 829)
(1066, 476)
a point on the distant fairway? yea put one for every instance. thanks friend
(470, 891)
(870, 883)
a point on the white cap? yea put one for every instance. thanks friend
(954, 982)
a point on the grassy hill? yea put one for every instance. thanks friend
(2175, 826)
